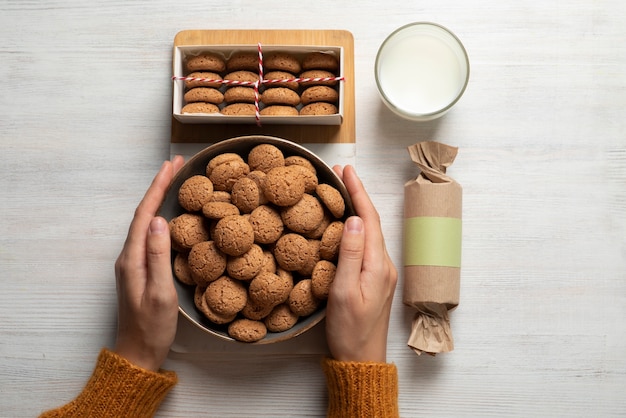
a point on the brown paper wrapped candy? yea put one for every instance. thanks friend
(432, 247)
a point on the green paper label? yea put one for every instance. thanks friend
(432, 241)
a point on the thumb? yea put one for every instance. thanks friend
(158, 248)
(351, 252)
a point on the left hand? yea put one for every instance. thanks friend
(147, 299)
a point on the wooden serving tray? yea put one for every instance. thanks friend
(209, 133)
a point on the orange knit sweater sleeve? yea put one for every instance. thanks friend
(361, 389)
(117, 388)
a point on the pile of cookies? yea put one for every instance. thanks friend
(259, 239)
(206, 93)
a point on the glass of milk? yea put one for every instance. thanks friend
(421, 71)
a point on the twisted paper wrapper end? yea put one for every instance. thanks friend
(430, 331)
(433, 158)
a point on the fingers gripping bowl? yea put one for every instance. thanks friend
(255, 224)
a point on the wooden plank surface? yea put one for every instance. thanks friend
(344, 133)
(540, 330)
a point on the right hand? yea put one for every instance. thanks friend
(359, 302)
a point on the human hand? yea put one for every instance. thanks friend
(359, 302)
(147, 300)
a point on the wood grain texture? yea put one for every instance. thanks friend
(85, 121)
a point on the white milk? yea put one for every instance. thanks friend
(421, 70)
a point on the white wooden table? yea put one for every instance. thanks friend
(540, 331)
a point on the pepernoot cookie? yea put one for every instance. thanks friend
(182, 271)
(195, 192)
(206, 262)
(318, 109)
(242, 76)
(267, 224)
(233, 235)
(320, 61)
(284, 274)
(188, 229)
(226, 296)
(269, 262)
(302, 302)
(329, 245)
(284, 186)
(319, 231)
(280, 96)
(239, 94)
(307, 270)
(204, 95)
(220, 159)
(269, 289)
(301, 161)
(318, 74)
(292, 252)
(226, 174)
(319, 94)
(281, 61)
(280, 319)
(218, 210)
(210, 314)
(322, 277)
(332, 199)
(264, 157)
(283, 76)
(203, 79)
(259, 178)
(247, 61)
(239, 109)
(310, 179)
(220, 196)
(247, 265)
(304, 216)
(279, 110)
(206, 62)
(254, 311)
(198, 296)
(247, 330)
(246, 195)
(200, 107)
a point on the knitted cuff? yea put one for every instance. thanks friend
(361, 389)
(117, 388)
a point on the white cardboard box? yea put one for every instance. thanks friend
(182, 52)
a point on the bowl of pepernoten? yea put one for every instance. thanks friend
(255, 224)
